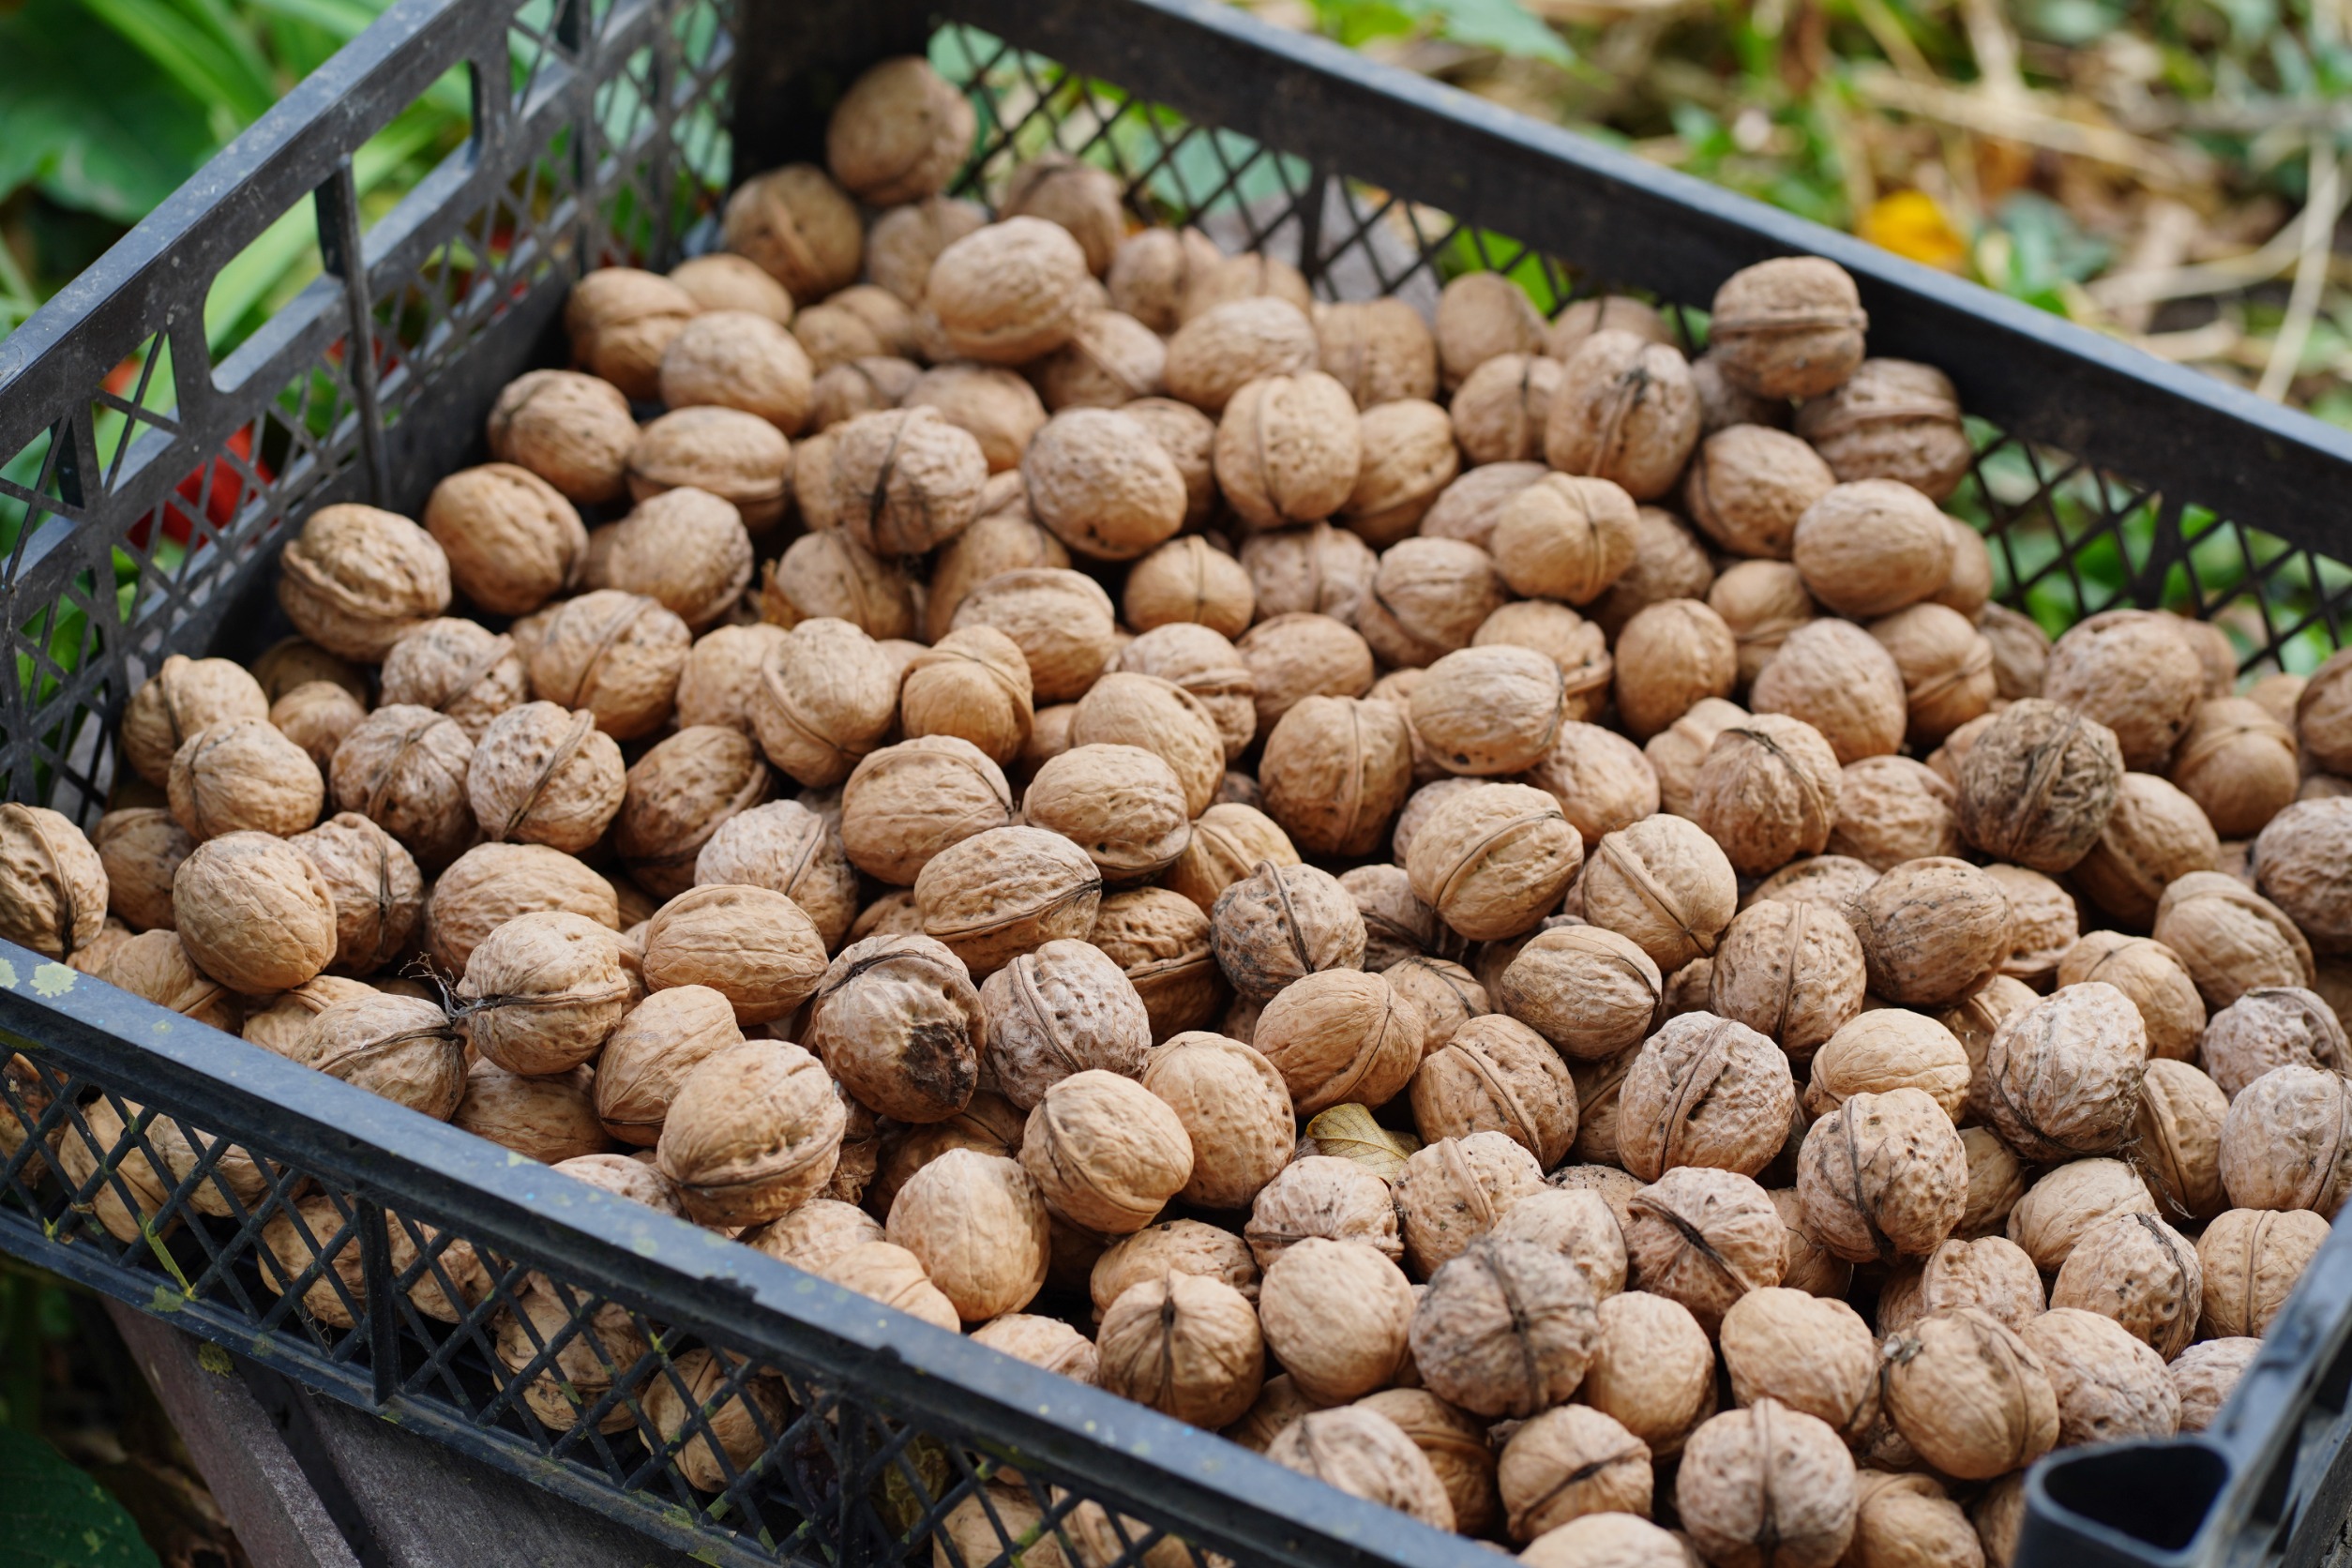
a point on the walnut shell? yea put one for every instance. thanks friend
(2323, 715)
(1761, 602)
(2251, 1259)
(2109, 1386)
(1806, 1352)
(1568, 1463)
(1893, 419)
(978, 1225)
(1789, 328)
(1105, 488)
(1840, 680)
(1676, 752)
(753, 1133)
(542, 992)
(1931, 930)
(649, 1054)
(1236, 1109)
(1891, 809)
(1766, 1486)
(2271, 1027)
(2132, 672)
(617, 655)
(1601, 780)
(252, 910)
(1110, 359)
(2069, 1200)
(1336, 1315)
(492, 884)
(1480, 315)
(620, 319)
(826, 696)
(1366, 1456)
(1105, 1153)
(1565, 537)
(1670, 657)
(2238, 762)
(1589, 991)
(905, 803)
(2139, 1272)
(1792, 971)
(679, 793)
(899, 133)
(740, 458)
(904, 481)
(1991, 1274)
(897, 1020)
(1505, 1329)
(244, 776)
(1703, 1237)
(2300, 862)
(786, 848)
(751, 944)
(1341, 1035)
(511, 539)
(1188, 578)
(1215, 353)
(2061, 1078)
(571, 431)
(2231, 938)
(1883, 1176)
(1768, 791)
(1886, 1049)
(139, 849)
(1496, 1074)
(1061, 622)
(1500, 411)
(2039, 785)
(2154, 836)
(182, 697)
(1494, 859)
(1607, 1541)
(1289, 448)
(1625, 411)
(541, 776)
(1749, 485)
(2283, 1146)
(1381, 350)
(1653, 1368)
(721, 669)
(1704, 1090)
(1409, 459)
(400, 1046)
(1665, 885)
(2205, 1374)
(357, 579)
(155, 965)
(1212, 668)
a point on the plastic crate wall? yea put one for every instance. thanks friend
(605, 139)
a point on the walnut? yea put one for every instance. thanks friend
(2251, 1259)
(400, 1046)
(648, 1055)
(155, 965)
(2068, 1201)
(1789, 328)
(2109, 1385)
(1670, 657)
(492, 884)
(1480, 315)
(751, 944)
(2323, 715)
(897, 1020)
(799, 226)
(1765, 1485)
(1947, 668)
(1322, 1195)
(2282, 1144)
(2238, 762)
(2154, 836)
(542, 775)
(1213, 355)
(1886, 1049)
(2138, 1272)
(1840, 680)
(2062, 1079)
(1652, 1369)
(1704, 1090)
(1428, 598)
(1768, 791)
(1893, 419)
(2132, 672)
(2272, 1027)
(573, 434)
(2300, 862)
(2154, 979)
(1569, 1463)
(1676, 752)
(1497, 1074)
(1059, 619)
(1808, 1353)
(1931, 930)
(753, 1133)
(252, 913)
(725, 281)
(1703, 1237)
(1825, 882)
(1792, 971)
(357, 579)
(2230, 938)
(1339, 1035)
(978, 1224)
(183, 696)
(785, 848)
(1601, 780)
(543, 993)
(1105, 1153)
(1565, 537)
(617, 655)
(1607, 1541)
(1505, 1329)
(1882, 1176)
(1366, 1456)
(1748, 485)
(1991, 1274)
(904, 481)
(1501, 412)
(1381, 350)
(1185, 1345)
(1335, 1315)
(1665, 885)
(1625, 409)
(1971, 1395)
(2205, 1374)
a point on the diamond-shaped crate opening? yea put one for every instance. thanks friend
(542, 50)
(498, 257)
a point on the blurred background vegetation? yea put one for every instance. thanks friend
(2169, 170)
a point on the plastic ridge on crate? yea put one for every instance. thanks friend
(145, 489)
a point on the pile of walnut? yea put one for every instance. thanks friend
(1231, 820)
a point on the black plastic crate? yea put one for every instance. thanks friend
(145, 490)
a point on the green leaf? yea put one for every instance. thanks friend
(53, 1516)
(1504, 25)
(98, 128)
(192, 53)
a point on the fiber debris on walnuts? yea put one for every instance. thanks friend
(1065, 784)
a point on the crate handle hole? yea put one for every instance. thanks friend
(2156, 1493)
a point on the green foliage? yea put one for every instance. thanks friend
(54, 1515)
(1502, 26)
